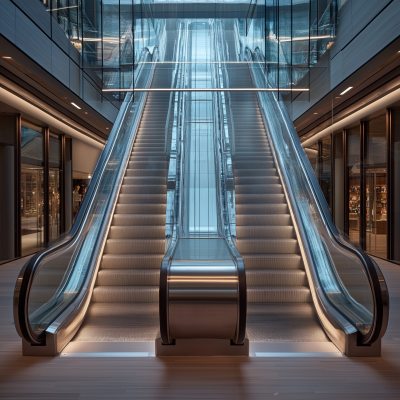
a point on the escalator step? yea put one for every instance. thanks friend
(132, 261)
(278, 294)
(137, 232)
(134, 246)
(272, 261)
(260, 246)
(125, 294)
(129, 277)
(276, 277)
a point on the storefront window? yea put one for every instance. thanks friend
(354, 181)
(325, 178)
(46, 3)
(396, 184)
(32, 194)
(54, 187)
(376, 187)
(339, 181)
(78, 194)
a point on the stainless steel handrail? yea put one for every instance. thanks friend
(371, 270)
(32, 268)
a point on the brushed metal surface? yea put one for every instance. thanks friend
(203, 291)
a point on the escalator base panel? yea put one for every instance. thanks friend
(201, 347)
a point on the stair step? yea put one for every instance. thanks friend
(256, 180)
(260, 198)
(134, 246)
(143, 189)
(129, 277)
(258, 189)
(125, 294)
(276, 277)
(137, 232)
(261, 209)
(132, 261)
(265, 246)
(140, 209)
(147, 180)
(272, 261)
(138, 219)
(278, 294)
(284, 232)
(141, 198)
(243, 220)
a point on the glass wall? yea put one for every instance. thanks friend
(395, 183)
(32, 189)
(325, 170)
(54, 187)
(365, 181)
(354, 183)
(375, 173)
(339, 181)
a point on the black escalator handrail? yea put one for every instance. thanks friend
(32, 267)
(372, 271)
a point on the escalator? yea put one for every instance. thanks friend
(100, 283)
(203, 220)
(124, 305)
(305, 282)
(279, 303)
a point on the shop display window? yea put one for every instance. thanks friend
(395, 156)
(339, 181)
(325, 178)
(354, 183)
(32, 194)
(78, 194)
(375, 175)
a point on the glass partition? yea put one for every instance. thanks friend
(339, 181)
(32, 189)
(375, 170)
(354, 183)
(395, 183)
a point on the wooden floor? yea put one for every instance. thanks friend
(197, 378)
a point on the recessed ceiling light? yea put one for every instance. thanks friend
(85, 112)
(315, 113)
(349, 88)
(6, 57)
(107, 128)
(89, 176)
(76, 106)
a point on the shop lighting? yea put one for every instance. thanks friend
(349, 88)
(298, 39)
(76, 106)
(62, 8)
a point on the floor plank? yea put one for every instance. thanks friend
(197, 377)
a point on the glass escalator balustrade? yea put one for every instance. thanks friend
(65, 270)
(340, 271)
